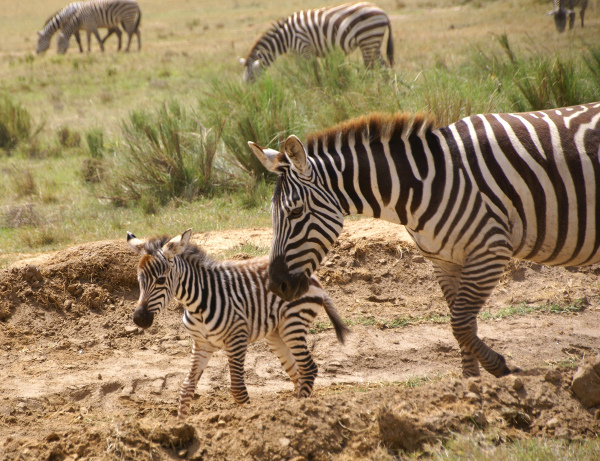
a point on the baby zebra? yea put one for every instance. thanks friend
(228, 305)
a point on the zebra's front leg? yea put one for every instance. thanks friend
(100, 42)
(201, 354)
(283, 352)
(478, 278)
(236, 354)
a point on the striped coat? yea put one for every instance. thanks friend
(94, 14)
(315, 32)
(472, 195)
(564, 8)
(228, 305)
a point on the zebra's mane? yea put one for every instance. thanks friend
(376, 126)
(192, 252)
(275, 27)
(52, 16)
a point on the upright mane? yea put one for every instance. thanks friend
(192, 252)
(275, 26)
(374, 127)
(52, 16)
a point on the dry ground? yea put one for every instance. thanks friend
(79, 381)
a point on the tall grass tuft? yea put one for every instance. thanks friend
(95, 142)
(15, 123)
(592, 60)
(166, 155)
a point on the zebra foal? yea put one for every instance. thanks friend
(472, 195)
(228, 305)
(315, 32)
(564, 8)
(94, 14)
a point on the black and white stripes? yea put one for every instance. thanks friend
(227, 306)
(314, 32)
(56, 22)
(564, 8)
(472, 195)
(94, 14)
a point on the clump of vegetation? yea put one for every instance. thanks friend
(95, 142)
(67, 138)
(167, 154)
(15, 123)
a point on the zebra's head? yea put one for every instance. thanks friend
(560, 17)
(43, 42)
(62, 43)
(252, 69)
(307, 218)
(155, 273)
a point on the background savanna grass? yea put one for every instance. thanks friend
(155, 142)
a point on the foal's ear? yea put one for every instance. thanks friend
(177, 244)
(135, 243)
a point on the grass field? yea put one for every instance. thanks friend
(62, 183)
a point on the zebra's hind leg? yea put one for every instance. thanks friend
(236, 354)
(295, 338)
(478, 278)
(201, 354)
(448, 276)
(283, 352)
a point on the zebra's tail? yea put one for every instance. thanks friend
(341, 330)
(390, 46)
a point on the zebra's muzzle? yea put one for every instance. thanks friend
(285, 285)
(142, 318)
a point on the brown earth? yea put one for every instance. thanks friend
(79, 381)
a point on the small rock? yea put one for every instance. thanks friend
(553, 376)
(552, 423)
(157, 386)
(284, 442)
(472, 397)
(67, 304)
(182, 453)
(517, 383)
(99, 376)
(52, 437)
(586, 384)
(474, 387)
(130, 330)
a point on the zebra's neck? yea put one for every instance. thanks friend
(381, 166)
(276, 41)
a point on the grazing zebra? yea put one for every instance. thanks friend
(564, 8)
(227, 306)
(56, 21)
(314, 32)
(94, 14)
(472, 195)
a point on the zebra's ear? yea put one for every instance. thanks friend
(177, 244)
(136, 244)
(294, 149)
(268, 157)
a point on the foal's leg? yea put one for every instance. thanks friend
(281, 350)
(201, 354)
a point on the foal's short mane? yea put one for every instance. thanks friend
(275, 26)
(376, 126)
(153, 245)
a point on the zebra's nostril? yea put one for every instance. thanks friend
(284, 287)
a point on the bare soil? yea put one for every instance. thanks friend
(78, 380)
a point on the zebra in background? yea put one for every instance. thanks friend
(56, 21)
(472, 195)
(95, 14)
(228, 305)
(314, 32)
(564, 8)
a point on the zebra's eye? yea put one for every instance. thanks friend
(161, 280)
(296, 212)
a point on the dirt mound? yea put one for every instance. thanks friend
(99, 388)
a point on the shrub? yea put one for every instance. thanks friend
(68, 138)
(15, 123)
(167, 155)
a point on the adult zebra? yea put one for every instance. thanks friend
(472, 195)
(314, 32)
(56, 21)
(564, 8)
(95, 14)
(228, 305)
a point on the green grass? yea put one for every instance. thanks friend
(99, 149)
